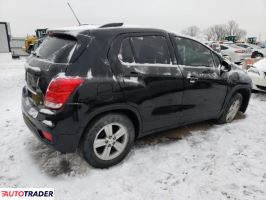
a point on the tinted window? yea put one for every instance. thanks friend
(223, 47)
(125, 53)
(242, 45)
(57, 50)
(192, 53)
(150, 49)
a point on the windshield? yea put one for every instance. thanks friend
(56, 49)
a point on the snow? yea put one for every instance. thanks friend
(201, 161)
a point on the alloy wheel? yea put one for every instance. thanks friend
(110, 141)
(233, 110)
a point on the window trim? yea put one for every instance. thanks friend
(214, 54)
(134, 53)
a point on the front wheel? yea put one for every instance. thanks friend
(231, 110)
(108, 140)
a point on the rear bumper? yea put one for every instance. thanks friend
(64, 127)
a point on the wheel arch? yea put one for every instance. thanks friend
(246, 96)
(125, 109)
(245, 92)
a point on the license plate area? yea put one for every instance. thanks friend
(32, 81)
(35, 98)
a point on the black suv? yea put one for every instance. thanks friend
(97, 89)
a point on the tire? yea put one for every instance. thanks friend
(260, 55)
(100, 148)
(256, 54)
(255, 91)
(231, 109)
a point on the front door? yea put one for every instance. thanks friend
(205, 86)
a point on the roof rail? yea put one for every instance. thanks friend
(111, 25)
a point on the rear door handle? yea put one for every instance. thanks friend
(192, 79)
(133, 74)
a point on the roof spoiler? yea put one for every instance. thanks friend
(111, 25)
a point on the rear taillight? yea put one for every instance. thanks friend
(48, 136)
(59, 91)
(240, 51)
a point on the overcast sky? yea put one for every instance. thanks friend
(27, 15)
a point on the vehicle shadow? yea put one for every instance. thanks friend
(56, 164)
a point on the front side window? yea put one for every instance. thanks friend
(150, 49)
(192, 53)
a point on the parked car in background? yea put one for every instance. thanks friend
(255, 50)
(97, 89)
(234, 53)
(214, 45)
(258, 75)
(262, 44)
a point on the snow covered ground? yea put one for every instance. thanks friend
(199, 162)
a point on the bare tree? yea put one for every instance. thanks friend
(219, 32)
(233, 29)
(216, 32)
(241, 33)
(209, 34)
(192, 31)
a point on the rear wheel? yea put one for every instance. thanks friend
(108, 140)
(231, 110)
(256, 54)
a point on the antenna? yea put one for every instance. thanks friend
(74, 13)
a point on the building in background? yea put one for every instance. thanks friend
(17, 44)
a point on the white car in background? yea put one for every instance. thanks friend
(258, 75)
(256, 50)
(234, 53)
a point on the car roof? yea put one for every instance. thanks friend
(88, 29)
(232, 45)
(114, 30)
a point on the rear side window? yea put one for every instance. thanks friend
(150, 49)
(56, 49)
(192, 53)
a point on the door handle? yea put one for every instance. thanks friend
(133, 74)
(192, 79)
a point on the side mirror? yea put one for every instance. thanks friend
(226, 67)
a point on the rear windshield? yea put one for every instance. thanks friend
(56, 49)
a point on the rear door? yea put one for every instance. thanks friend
(151, 79)
(205, 87)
